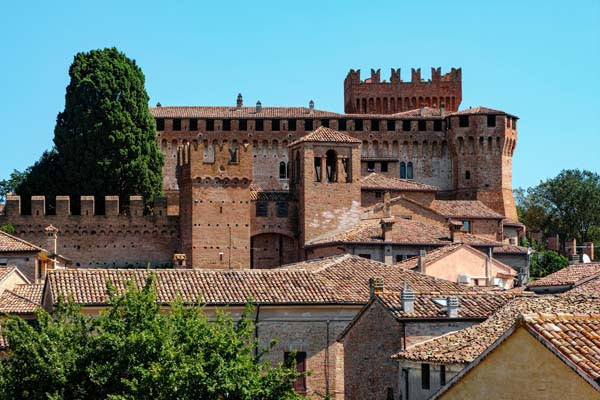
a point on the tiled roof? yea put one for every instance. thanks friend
(21, 299)
(475, 305)
(573, 336)
(423, 112)
(322, 134)
(570, 275)
(265, 195)
(462, 347)
(589, 286)
(335, 280)
(377, 181)
(233, 112)
(479, 110)
(5, 271)
(464, 209)
(510, 249)
(403, 232)
(10, 243)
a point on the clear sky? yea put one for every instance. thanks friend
(537, 60)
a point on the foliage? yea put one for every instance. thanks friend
(132, 350)
(104, 140)
(545, 262)
(10, 185)
(568, 204)
(8, 228)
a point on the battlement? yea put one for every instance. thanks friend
(215, 160)
(87, 207)
(373, 96)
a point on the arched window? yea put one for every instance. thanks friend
(282, 170)
(409, 171)
(402, 170)
(468, 175)
(318, 169)
(331, 166)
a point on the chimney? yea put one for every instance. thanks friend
(407, 298)
(574, 259)
(442, 110)
(422, 261)
(240, 101)
(588, 248)
(375, 285)
(179, 260)
(571, 247)
(158, 104)
(311, 107)
(452, 307)
(455, 227)
(51, 239)
(387, 207)
(258, 106)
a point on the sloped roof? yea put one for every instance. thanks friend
(462, 347)
(404, 231)
(335, 280)
(375, 181)
(570, 275)
(22, 299)
(471, 305)
(479, 110)
(10, 243)
(464, 209)
(511, 249)
(322, 134)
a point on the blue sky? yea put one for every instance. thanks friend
(538, 60)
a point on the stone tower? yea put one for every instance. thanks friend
(483, 141)
(325, 178)
(373, 96)
(214, 203)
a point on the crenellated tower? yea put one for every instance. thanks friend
(214, 203)
(372, 96)
(482, 142)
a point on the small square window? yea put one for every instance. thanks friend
(371, 166)
(437, 125)
(282, 209)
(262, 209)
(358, 124)
(391, 125)
(308, 124)
(342, 124)
(325, 123)
(177, 124)
(422, 125)
(193, 124)
(291, 124)
(406, 126)
(276, 125)
(384, 166)
(226, 124)
(243, 125)
(463, 121)
(377, 195)
(160, 124)
(491, 120)
(260, 125)
(374, 124)
(210, 124)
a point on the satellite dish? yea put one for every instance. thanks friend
(586, 259)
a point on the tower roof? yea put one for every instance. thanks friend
(322, 134)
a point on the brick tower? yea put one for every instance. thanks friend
(214, 198)
(372, 96)
(483, 141)
(325, 178)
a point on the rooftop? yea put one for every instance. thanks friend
(464, 209)
(22, 299)
(10, 243)
(375, 181)
(571, 275)
(328, 135)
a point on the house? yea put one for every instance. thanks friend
(392, 321)
(423, 365)
(306, 305)
(540, 356)
(579, 276)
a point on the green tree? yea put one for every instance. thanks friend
(104, 140)
(132, 350)
(10, 185)
(546, 262)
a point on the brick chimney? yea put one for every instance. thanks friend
(588, 248)
(51, 239)
(375, 285)
(455, 228)
(407, 298)
(553, 242)
(422, 261)
(452, 307)
(571, 247)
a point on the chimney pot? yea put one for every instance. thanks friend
(240, 101)
(311, 106)
(375, 285)
(422, 261)
(408, 299)
(452, 307)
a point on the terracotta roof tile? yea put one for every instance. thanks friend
(475, 305)
(464, 209)
(511, 249)
(271, 195)
(462, 347)
(479, 110)
(10, 243)
(403, 232)
(5, 271)
(570, 275)
(377, 181)
(322, 134)
(341, 279)
(21, 299)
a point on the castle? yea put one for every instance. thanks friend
(252, 186)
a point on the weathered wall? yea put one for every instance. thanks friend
(417, 332)
(508, 372)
